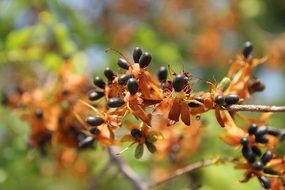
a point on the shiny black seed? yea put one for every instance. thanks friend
(93, 96)
(86, 142)
(137, 54)
(115, 102)
(194, 105)
(247, 49)
(266, 157)
(39, 113)
(258, 165)
(220, 100)
(94, 120)
(231, 99)
(265, 182)
(256, 150)
(252, 129)
(109, 74)
(244, 141)
(124, 78)
(94, 130)
(248, 154)
(261, 139)
(145, 60)
(136, 133)
(99, 82)
(133, 86)
(262, 130)
(273, 132)
(178, 82)
(270, 171)
(162, 74)
(123, 64)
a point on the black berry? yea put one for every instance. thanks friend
(123, 64)
(162, 74)
(133, 86)
(109, 74)
(137, 54)
(231, 99)
(145, 60)
(247, 49)
(178, 82)
(93, 96)
(115, 102)
(124, 78)
(94, 120)
(99, 82)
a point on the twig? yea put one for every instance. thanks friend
(137, 183)
(183, 171)
(187, 169)
(254, 108)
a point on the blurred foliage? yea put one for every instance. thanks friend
(199, 36)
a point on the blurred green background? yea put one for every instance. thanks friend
(198, 36)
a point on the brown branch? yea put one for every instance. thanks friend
(183, 171)
(189, 168)
(254, 108)
(137, 183)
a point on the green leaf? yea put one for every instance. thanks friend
(139, 151)
(150, 146)
(224, 84)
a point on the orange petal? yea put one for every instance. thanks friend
(139, 112)
(175, 111)
(130, 126)
(230, 139)
(112, 135)
(105, 140)
(185, 114)
(219, 117)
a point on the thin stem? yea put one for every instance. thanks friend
(189, 168)
(183, 171)
(254, 108)
(137, 183)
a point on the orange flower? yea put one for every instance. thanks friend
(142, 136)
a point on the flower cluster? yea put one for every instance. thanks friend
(161, 113)
(53, 111)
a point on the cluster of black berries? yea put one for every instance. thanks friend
(260, 133)
(227, 100)
(254, 85)
(143, 59)
(119, 83)
(251, 152)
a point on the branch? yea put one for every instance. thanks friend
(127, 171)
(254, 108)
(189, 168)
(183, 171)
